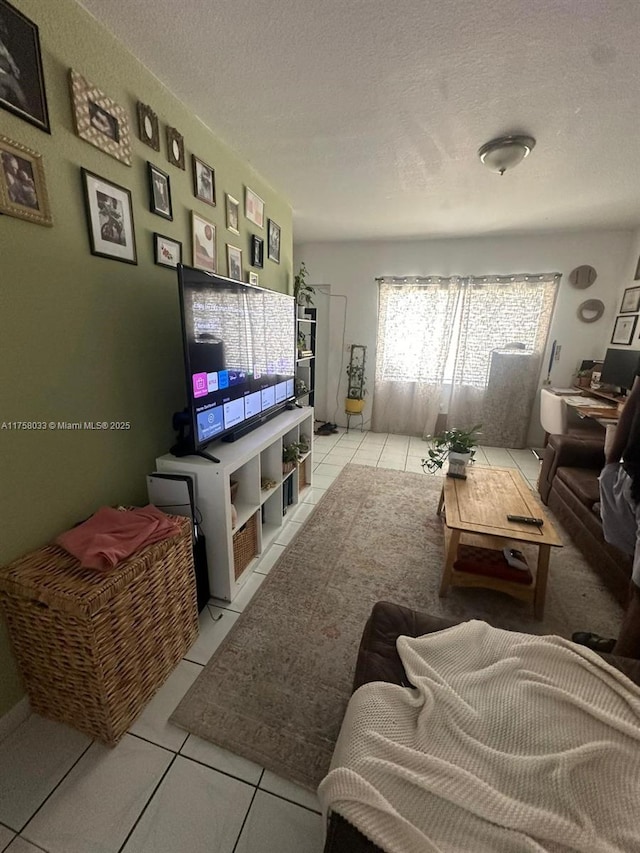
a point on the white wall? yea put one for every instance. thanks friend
(351, 268)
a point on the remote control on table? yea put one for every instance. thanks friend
(526, 519)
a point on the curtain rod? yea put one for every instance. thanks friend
(437, 279)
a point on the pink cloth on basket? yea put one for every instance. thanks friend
(111, 535)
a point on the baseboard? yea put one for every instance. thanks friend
(10, 721)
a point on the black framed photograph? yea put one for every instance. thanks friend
(148, 126)
(233, 213)
(167, 252)
(257, 251)
(175, 148)
(204, 181)
(109, 219)
(99, 120)
(234, 262)
(159, 192)
(21, 76)
(623, 330)
(273, 237)
(630, 301)
(23, 190)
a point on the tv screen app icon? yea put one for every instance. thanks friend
(199, 384)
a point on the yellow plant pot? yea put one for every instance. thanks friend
(354, 407)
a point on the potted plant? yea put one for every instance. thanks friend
(456, 445)
(302, 291)
(354, 403)
(290, 456)
(583, 378)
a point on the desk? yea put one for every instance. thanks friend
(597, 406)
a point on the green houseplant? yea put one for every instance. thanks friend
(290, 456)
(356, 390)
(455, 442)
(302, 291)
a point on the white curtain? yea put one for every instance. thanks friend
(470, 347)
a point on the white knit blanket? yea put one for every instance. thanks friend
(508, 743)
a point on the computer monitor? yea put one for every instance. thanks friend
(619, 368)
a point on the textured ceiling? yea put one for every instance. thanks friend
(368, 114)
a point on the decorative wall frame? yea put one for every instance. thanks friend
(232, 206)
(583, 276)
(99, 120)
(253, 207)
(630, 301)
(148, 126)
(273, 241)
(23, 189)
(110, 219)
(167, 252)
(636, 276)
(234, 262)
(624, 330)
(590, 310)
(22, 91)
(254, 279)
(175, 148)
(159, 192)
(203, 235)
(204, 181)
(257, 251)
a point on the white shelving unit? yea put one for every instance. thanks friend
(248, 461)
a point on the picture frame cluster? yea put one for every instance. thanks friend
(103, 123)
(625, 325)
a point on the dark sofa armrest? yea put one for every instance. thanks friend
(565, 451)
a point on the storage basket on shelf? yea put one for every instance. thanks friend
(245, 546)
(302, 476)
(93, 647)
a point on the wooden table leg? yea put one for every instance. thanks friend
(449, 561)
(542, 573)
(440, 502)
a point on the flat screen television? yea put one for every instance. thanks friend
(619, 368)
(239, 357)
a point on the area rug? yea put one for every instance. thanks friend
(276, 689)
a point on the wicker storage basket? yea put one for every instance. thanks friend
(94, 647)
(245, 546)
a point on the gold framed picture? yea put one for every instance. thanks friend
(204, 243)
(23, 190)
(233, 214)
(99, 120)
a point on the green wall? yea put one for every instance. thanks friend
(87, 338)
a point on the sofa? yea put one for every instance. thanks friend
(378, 660)
(568, 485)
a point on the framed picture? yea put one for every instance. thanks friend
(148, 126)
(273, 237)
(204, 181)
(630, 301)
(110, 219)
(253, 279)
(253, 207)
(99, 120)
(167, 252)
(175, 148)
(233, 213)
(623, 330)
(22, 81)
(204, 243)
(23, 190)
(637, 274)
(257, 251)
(159, 192)
(234, 262)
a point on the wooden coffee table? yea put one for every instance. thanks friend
(476, 512)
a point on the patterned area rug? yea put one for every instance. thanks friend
(276, 690)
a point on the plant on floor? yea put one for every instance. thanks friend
(356, 390)
(302, 291)
(450, 441)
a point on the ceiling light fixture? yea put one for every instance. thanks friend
(506, 152)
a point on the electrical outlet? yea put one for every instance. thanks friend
(557, 353)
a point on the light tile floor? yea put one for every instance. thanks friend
(162, 789)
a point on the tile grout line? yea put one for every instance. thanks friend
(146, 805)
(244, 821)
(57, 785)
